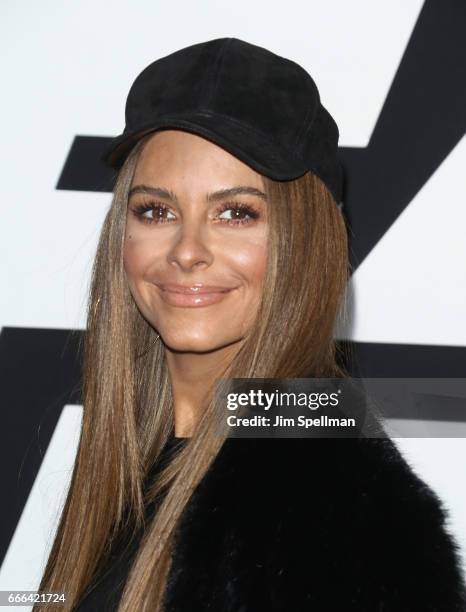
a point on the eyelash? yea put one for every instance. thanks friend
(140, 209)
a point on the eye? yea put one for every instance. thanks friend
(152, 212)
(237, 214)
(233, 214)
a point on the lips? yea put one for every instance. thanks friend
(194, 295)
(195, 289)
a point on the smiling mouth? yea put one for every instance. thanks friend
(193, 296)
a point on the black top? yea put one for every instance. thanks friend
(105, 591)
(312, 514)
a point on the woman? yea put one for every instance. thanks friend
(224, 255)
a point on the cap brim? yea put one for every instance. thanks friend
(251, 147)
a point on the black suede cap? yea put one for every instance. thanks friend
(258, 106)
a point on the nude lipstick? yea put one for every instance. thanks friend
(193, 296)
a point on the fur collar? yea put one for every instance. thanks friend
(337, 525)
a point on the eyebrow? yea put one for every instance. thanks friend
(214, 196)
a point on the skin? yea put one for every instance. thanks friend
(192, 240)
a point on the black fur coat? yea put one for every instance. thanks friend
(334, 525)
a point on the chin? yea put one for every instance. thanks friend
(196, 343)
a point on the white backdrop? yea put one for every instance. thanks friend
(66, 69)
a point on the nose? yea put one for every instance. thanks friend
(190, 247)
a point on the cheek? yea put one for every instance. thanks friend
(249, 259)
(131, 259)
(137, 256)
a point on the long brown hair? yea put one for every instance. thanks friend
(127, 397)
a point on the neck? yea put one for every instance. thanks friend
(191, 374)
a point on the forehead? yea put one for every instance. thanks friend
(181, 157)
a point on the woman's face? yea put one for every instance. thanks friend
(195, 246)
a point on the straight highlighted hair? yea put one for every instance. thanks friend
(127, 396)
